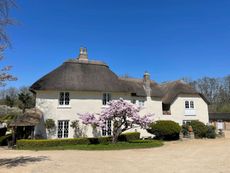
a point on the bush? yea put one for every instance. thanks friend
(211, 131)
(4, 139)
(3, 131)
(50, 124)
(129, 136)
(165, 130)
(184, 130)
(199, 129)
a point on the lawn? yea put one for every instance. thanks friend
(117, 146)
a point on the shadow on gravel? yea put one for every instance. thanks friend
(21, 161)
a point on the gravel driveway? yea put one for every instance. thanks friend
(211, 156)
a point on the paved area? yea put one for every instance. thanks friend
(190, 156)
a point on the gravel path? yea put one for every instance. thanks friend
(191, 156)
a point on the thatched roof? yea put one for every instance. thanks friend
(219, 116)
(31, 117)
(172, 89)
(81, 76)
(137, 86)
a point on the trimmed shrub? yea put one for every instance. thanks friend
(141, 141)
(199, 129)
(50, 124)
(129, 136)
(105, 140)
(211, 131)
(100, 140)
(4, 139)
(3, 131)
(165, 130)
(25, 143)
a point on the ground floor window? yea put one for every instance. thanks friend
(107, 129)
(63, 128)
(186, 122)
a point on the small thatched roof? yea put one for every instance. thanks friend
(219, 116)
(137, 86)
(172, 89)
(31, 117)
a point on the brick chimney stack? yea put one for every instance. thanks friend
(83, 55)
(146, 81)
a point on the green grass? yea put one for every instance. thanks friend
(117, 146)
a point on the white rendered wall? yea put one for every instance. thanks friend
(178, 110)
(81, 102)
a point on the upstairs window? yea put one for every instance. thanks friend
(189, 104)
(141, 103)
(106, 98)
(64, 98)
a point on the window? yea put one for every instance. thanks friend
(186, 122)
(191, 104)
(133, 101)
(187, 104)
(64, 98)
(106, 98)
(107, 130)
(141, 103)
(63, 129)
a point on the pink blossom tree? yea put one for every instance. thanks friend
(123, 115)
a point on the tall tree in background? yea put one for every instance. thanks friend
(5, 21)
(11, 96)
(26, 99)
(216, 90)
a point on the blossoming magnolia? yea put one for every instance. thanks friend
(121, 113)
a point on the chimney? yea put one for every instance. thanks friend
(146, 81)
(83, 55)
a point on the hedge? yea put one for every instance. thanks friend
(165, 130)
(129, 136)
(28, 143)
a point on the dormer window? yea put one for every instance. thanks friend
(106, 98)
(186, 104)
(64, 98)
(189, 104)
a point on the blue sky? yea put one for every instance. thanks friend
(169, 39)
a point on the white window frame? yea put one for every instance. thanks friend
(106, 97)
(107, 130)
(190, 104)
(141, 103)
(63, 128)
(64, 100)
